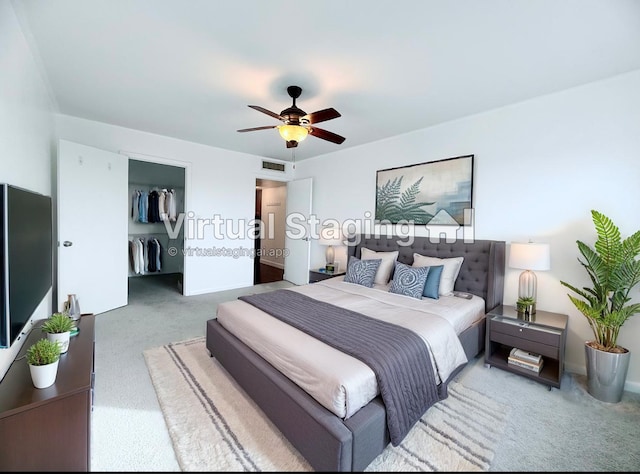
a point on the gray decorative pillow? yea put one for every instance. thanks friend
(362, 272)
(409, 281)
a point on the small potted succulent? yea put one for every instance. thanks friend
(43, 358)
(58, 328)
(526, 305)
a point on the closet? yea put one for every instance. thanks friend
(156, 199)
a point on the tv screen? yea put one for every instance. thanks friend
(27, 257)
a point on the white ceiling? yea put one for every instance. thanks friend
(189, 68)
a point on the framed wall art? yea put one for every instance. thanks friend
(436, 192)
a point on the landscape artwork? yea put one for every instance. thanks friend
(436, 192)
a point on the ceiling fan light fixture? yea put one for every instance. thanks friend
(294, 133)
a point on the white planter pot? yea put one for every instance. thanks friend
(62, 338)
(44, 376)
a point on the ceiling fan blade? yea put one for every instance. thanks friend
(322, 115)
(257, 128)
(325, 135)
(268, 112)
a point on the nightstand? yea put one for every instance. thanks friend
(543, 333)
(322, 274)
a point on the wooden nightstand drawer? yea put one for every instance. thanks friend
(525, 344)
(522, 330)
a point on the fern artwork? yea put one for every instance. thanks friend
(436, 192)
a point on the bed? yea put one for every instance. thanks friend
(330, 439)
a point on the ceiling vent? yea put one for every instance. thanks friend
(269, 165)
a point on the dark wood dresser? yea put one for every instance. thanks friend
(49, 429)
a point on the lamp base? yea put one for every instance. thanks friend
(329, 255)
(528, 285)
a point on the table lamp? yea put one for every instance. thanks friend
(528, 257)
(329, 242)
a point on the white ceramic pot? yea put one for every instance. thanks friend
(44, 376)
(62, 338)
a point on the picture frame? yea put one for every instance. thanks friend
(434, 192)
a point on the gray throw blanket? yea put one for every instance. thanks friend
(398, 356)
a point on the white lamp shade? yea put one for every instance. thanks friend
(530, 256)
(325, 241)
(331, 236)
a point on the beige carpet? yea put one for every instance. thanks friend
(214, 426)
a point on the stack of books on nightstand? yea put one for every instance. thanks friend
(526, 360)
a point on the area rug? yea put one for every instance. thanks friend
(215, 426)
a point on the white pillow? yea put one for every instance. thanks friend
(386, 266)
(449, 272)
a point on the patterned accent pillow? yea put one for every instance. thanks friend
(362, 272)
(409, 281)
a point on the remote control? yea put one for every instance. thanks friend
(461, 294)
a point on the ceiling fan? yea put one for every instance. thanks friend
(298, 123)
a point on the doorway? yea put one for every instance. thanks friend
(156, 258)
(270, 208)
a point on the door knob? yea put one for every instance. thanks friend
(66, 243)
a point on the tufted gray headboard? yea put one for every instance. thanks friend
(482, 271)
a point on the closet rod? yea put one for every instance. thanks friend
(142, 234)
(133, 184)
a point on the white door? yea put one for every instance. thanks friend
(93, 209)
(297, 241)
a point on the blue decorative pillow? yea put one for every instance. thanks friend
(433, 282)
(408, 280)
(362, 272)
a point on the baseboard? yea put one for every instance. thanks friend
(271, 264)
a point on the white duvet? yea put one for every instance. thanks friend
(339, 382)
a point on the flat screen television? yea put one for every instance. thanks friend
(26, 261)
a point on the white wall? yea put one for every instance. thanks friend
(540, 167)
(26, 130)
(217, 182)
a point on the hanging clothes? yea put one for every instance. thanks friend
(154, 212)
(136, 256)
(173, 213)
(135, 205)
(158, 255)
(162, 201)
(156, 205)
(143, 206)
(145, 255)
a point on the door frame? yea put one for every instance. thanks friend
(255, 193)
(187, 197)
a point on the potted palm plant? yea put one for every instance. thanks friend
(58, 328)
(614, 270)
(43, 358)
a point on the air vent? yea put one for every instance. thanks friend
(268, 165)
